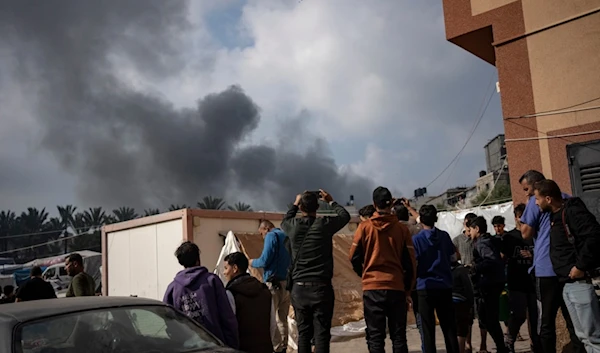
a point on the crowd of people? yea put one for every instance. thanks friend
(549, 261)
(37, 288)
(406, 262)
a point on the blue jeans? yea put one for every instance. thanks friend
(584, 309)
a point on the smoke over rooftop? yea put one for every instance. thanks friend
(129, 146)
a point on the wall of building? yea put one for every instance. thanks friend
(207, 233)
(141, 260)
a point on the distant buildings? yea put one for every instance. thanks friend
(497, 168)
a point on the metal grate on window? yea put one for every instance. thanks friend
(590, 178)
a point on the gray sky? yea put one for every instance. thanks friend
(132, 103)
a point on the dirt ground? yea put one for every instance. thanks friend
(359, 345)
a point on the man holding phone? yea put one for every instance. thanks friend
(311, 270)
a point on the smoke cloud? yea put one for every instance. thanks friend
(128, 146)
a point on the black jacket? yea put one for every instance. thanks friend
(315, 263)
(462, 288)
(582, 247)
(488, 266)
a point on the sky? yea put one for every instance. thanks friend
(147, 103)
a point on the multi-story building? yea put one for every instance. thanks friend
(547, 53)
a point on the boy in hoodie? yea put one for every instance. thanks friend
(488, 277)
(200, 295)
(434, 251)
(251, 302)
(382, 254)
(463, 298)
(574, 250)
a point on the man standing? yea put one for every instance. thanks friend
(464, 243)
(312, 267)
(366, 212)
(386, 255)
(535, 225)
(488, 279)
(522, 301)
(82, 284)
(275, 260)
(434, 251)
(36, 288)
(251, 302)
(402, 213)
(574, 251)
(201, 296)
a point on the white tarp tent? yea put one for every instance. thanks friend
(452, 221)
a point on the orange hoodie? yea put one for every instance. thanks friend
(382, 242)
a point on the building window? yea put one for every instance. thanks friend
(487, 186)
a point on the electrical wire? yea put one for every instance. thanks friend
(45, 243)
(495, 182)
(487, 103)
(558, 136)
(39, 233)
(558, 111)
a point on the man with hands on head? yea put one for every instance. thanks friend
(311, 271)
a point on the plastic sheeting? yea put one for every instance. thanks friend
(452, 221)
(231, 245)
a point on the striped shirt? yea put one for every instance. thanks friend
(464, 245)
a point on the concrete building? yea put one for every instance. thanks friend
(495, 154)
(547, 53)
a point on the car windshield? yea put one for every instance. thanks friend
(135, 329)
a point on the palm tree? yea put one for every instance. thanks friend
(66, 215)
(123, 214)
(8, 226)
(53, 229)
(241, 207)
(177, 207)
(151, 211)
(211, 203)
(88, 234)
(94, 217)
(32, 222)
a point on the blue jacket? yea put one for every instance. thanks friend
(275, 259)
(433, 250)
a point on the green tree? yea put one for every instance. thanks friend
(66, 215)
(151, 212)
(211, 203)
(241, 207)
(8, 226)
(94, 217)
(177, 207)
(123, 214)
(500, 193)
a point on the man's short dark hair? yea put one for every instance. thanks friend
(367, 211)
(532, 177)
(498, 220)
(36, 271)
(548, 188)
(188, 254)
(469, 217)
(266, 223)
(481, 223)
(428, 215)
(401, 213)
(382, 198)
(519, 210)
(75, 257)
(238, 259)
(309, 202)
(8, 289)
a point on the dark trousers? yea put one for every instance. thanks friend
(549, 293)
(488, 310)
(313, 308)
(385, 309)
(521, 303)
(438, 301)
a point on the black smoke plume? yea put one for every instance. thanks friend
(127, 146)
